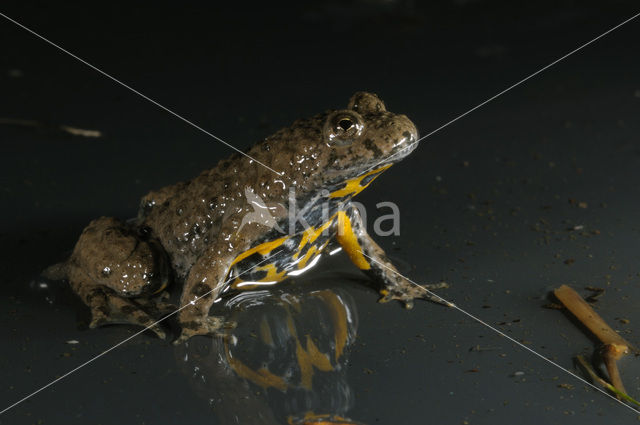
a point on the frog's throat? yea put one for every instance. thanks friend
(352, 187)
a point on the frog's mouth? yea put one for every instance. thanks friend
(378, 159)
(401, 151)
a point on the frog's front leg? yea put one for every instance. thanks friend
(204, 284)
(367, 255)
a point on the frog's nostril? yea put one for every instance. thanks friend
(411, 132)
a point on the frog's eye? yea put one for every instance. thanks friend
(343, 127)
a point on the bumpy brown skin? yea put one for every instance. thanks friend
(196, 223)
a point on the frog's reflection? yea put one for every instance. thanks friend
(283, 363)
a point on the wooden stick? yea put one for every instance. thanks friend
(614, 346)
(587, 367)
(592, 320)
(66, 128)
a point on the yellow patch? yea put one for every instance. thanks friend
(311, 418)
(353, 186)
(308, 355)
(349, 242)
(265, 332)
(273, 275)
(262, 376)
(339, 319)
(311, 252)
(262, 249)
(308, 358)
(311, 234)
(162, 288)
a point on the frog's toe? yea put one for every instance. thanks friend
(111, 309)
(157, 307)
(427, 294)
(147, 323)
(209, 325)
(409, 291)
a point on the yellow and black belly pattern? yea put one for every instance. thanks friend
(273, 261)
(279, 256)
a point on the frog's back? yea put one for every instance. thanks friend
(188, 216)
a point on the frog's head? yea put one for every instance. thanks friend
(365, 138)
(339, 150)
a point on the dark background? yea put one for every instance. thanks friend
(486, 204)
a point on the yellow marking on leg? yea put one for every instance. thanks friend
(262, 377)
(349, 242)
(265, 332)
(162, 287)
(309, 236)
(309, 357)
(311, 418)
(353, 186)
(273, 275)
(338, 313)
(262, 249)
(311, 252)
(313, 233)
(324, 245)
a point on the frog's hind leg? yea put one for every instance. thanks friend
(118, 272)
(367, 255)
(107, 308)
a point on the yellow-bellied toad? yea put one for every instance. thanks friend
(232, 228)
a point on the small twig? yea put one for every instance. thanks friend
(587, 367)
(610, 355)
(75, 131)
(80, 131)
(614, 346)
(592, 320)
(23, 123)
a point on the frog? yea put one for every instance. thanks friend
(256, 219)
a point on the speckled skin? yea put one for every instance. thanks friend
(193, 231)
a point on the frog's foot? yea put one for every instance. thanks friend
(156, 306)
(109, 308)
(407, 291)
(208, 325)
